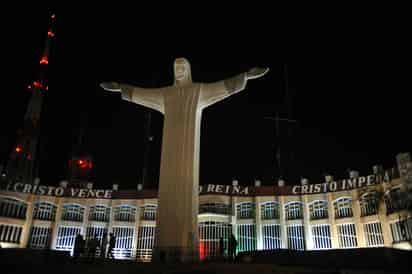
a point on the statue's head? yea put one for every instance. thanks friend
(182, 71)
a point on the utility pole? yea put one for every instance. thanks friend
(278, 120)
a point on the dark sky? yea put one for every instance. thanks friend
(348, 84)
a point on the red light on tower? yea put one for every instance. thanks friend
(44, 60)
(50, 33)
(80, 162)
(18, 149)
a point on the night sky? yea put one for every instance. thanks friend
(348, 89)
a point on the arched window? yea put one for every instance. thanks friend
(149, 212)
(124, 213)
(217, 208)
(44, 211)
(395, 201)
(343, 207)
(369, 204)
(293, 211)
(12, 208)
(210, 233)
(99, 213)
(245, 210)
(72, 212)
(270, 210)
(318, 210)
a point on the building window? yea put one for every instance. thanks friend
(44, 211)
(318, 210)
(270, 211)
(395, 201)
(99, 213)
(216, 208)
(343, 207)
(321, 237)
(373, 234)
(246, 237)
(66, 236)
(125, 213)
(245, 210)
(402, 230)
(10, 233)
(369, 204)
(124, 242)
(271, 237)
(40, 237)
(145, 243)
(210, 233)
(347, 236)
(296, 237)
(12, 208)
(149, 212)
(72, 212)
(97, 232)
(293, 211)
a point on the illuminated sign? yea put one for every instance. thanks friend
(223, 189)
(60, 191)
(342, 185)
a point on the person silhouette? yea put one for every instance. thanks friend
(78, 245)
(232, 247)
(221, 248)
(112, 243)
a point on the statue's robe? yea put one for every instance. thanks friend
(182, 105)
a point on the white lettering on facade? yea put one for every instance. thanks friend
(361, 181)
(333, 186)
(370, 180)
(82, 193)
(17, 185)
(42, 190)
(219, 189)
(27, 188)
(74, 192)
(210, 188)
(100, 193)
(304, 189)
(227, 189)
(236, 189)
(245, 191)
(91, 193)
(108, 194)
(295, 190)
(351, 183)
(50, 190)
(59, 191)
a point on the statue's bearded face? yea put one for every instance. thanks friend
(182, 70)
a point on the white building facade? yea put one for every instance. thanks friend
(359, 212)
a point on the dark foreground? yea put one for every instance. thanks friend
(378, 260)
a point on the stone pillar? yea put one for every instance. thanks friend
(282, 221)
(360, 233)
(25, 234)
(306, 223)
(333, 227)
(258, 222)
(55, 226)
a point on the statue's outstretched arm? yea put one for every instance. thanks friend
(148, 97)
(215, 92)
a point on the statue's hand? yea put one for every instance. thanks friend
(111, 86)
(256, 73)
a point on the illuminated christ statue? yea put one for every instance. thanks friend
(182, 105)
